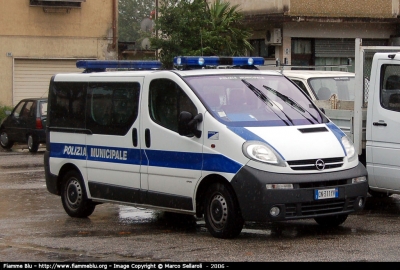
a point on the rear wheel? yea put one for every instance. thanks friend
(74, 198)
(331, 221)
(5, 141)
(222, 215)
(33, 144)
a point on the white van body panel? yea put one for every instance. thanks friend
(74, 149)
(383, 142)
(257, 150)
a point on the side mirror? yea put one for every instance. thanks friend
(187, 124)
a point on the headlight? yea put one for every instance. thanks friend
(262, 152)
(349, 148)
(360, 179)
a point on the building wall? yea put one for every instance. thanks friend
(369, 19)
(345, 8)
(324, 8)
(29, 32)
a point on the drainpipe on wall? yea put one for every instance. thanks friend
(114, 23)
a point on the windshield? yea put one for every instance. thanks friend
(255, 100)
(324, 88)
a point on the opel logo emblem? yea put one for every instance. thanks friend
(320, 164)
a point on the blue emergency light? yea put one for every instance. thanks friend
(102, 65)
(207, 61)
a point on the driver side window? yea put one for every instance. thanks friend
(166, 101)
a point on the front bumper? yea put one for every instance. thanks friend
(256, 200)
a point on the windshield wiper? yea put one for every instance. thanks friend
(270, 103)
(292, 103)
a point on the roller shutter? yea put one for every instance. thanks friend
(32, 76)
(328, 47)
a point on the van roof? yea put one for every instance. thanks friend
(142, 73)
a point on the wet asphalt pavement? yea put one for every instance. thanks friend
(35, 228)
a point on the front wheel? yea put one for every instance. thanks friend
(222, 214)
(33, 144)
(74, 198)
(331, 221)
(5, 141)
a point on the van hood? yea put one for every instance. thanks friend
(298, 142)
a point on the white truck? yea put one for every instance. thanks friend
(372, 120)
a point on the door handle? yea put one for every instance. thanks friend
(379, 124)
(147, 137)
(134, 137)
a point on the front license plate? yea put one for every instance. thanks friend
(320, 194)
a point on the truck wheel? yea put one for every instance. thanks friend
(73, 196)
(33, 144)
(331, 221)
(5, 142)
(377, 194)
(222, 215)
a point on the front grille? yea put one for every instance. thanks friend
(311, 164)
(310, 209)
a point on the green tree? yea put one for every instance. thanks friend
(191, 27)
(131, 13)
(225, 34)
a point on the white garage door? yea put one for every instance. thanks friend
(32, 77)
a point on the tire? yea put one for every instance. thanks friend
(377, 194)
(73, 196)
(331, 221)
(222, 215)
(5, 142)
(33, 144)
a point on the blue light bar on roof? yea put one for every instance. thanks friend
(102, 65)
(203, 61)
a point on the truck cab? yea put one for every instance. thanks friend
(383, 125)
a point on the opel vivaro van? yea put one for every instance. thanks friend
(231, 145)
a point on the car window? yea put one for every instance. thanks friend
(166, 101)
(254, 100)
(343, 87)
(302, 86)
(26, 111)
(17, 111)
(43, 108)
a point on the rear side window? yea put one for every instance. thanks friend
(67, 101)
(100, 108)
(112, 108)
(43, 108)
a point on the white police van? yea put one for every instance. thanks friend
(232, 145)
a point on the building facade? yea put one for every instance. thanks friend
(318, 32)
(39, 38)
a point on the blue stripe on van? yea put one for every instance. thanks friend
(247, 135)
(192, 161)
(95, 153)
(338, 134)
(158, 158)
